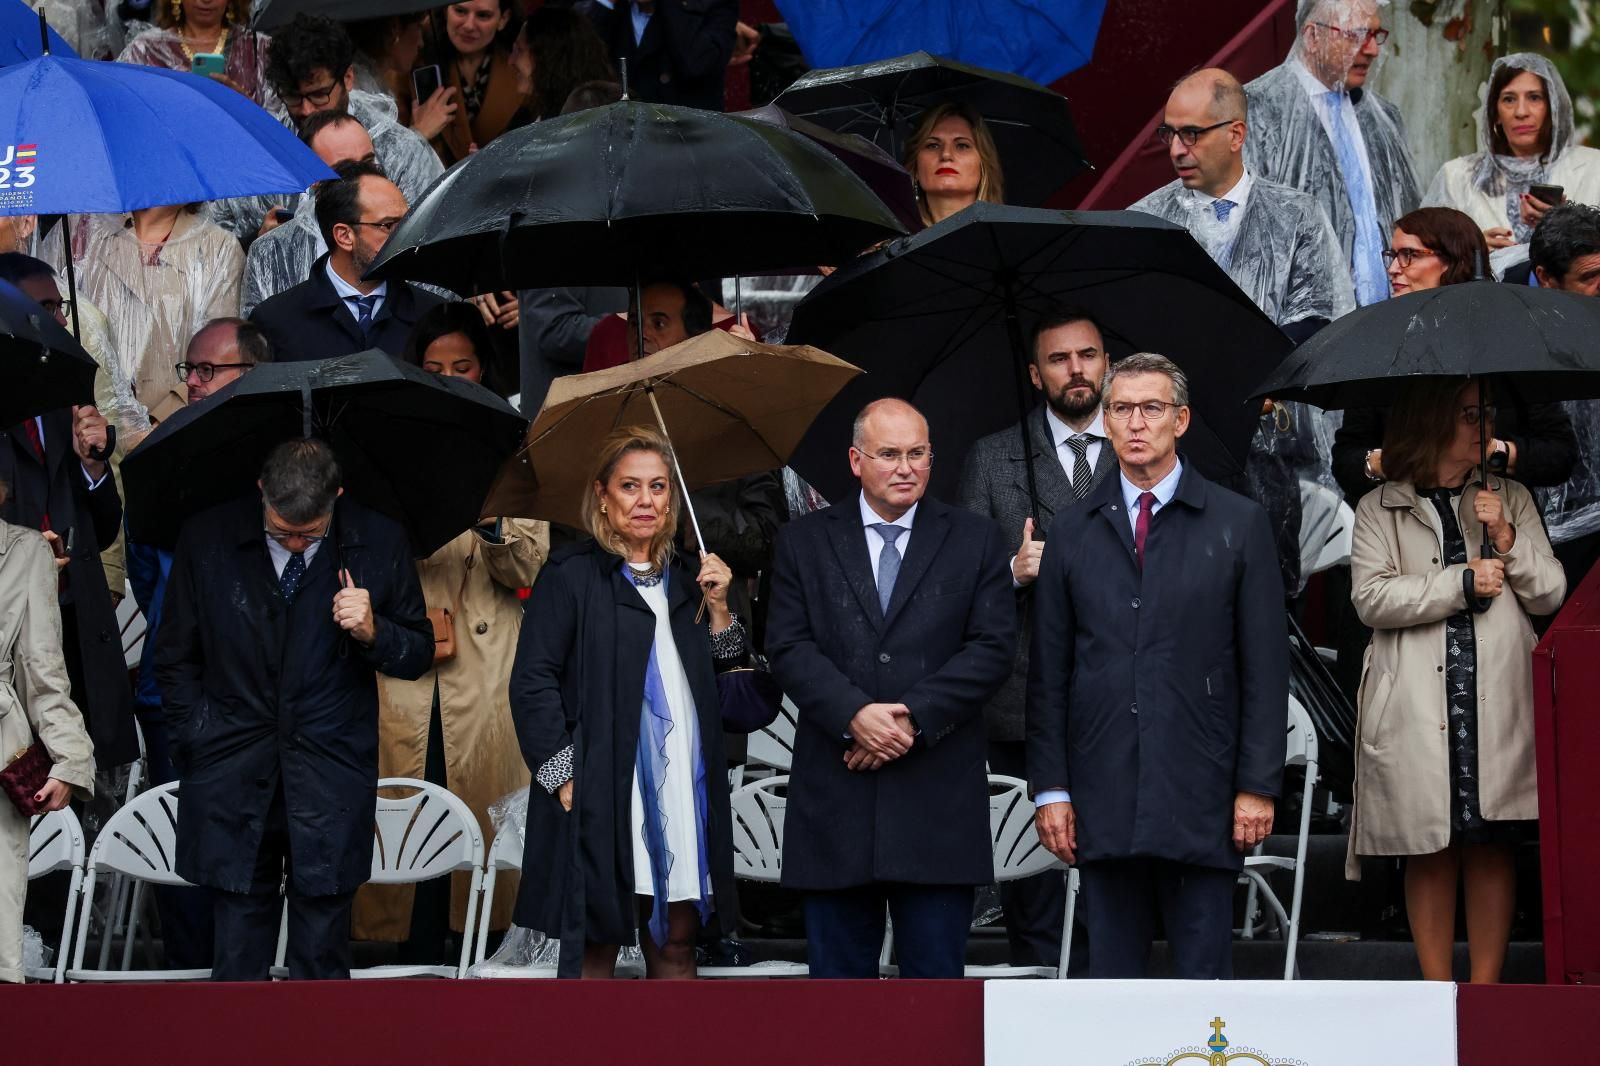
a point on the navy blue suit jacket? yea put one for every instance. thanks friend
(1156, 696)
(943, 648)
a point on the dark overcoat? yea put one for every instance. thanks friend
(579, 680)
(942, 649)
(994, 482)
(310, 321)
(259, 692)
(94, 518)
(1155, 697)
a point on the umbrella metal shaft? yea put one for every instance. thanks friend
(688, 505)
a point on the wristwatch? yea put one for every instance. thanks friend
(1499, 458)
(1366, 465)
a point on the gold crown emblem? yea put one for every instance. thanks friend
(1215, 1053)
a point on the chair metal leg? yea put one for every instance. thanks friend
(1066, 922)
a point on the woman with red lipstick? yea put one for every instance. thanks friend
(1528, 139)
(614, 695)
(953, 162)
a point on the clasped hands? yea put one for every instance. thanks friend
(880, 733)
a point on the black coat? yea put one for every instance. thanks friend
(943, 649)
(1156, 697)
(99, 670)
(579, 680)
(310, 321)
(260, 693)
(683, 57)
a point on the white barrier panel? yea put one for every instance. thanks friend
(1219, 1023)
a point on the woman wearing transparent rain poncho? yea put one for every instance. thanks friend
(187, 28)
(1526, 138)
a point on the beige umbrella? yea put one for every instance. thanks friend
(731, 408)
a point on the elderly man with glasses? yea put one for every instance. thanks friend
(1157, 683)
(1319, 128)
(280, 613)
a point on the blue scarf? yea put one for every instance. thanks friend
(650, 763)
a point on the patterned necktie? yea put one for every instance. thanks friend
(1147, 503)
(888, 562)
(1366, 254)
(1081, 474)
(294, 572)
(364, 306)
(1223, 208)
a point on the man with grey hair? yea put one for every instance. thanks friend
(1157, 687)
(280, 612)
(1321, 130)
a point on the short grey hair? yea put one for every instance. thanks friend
(300, 480)
(1149, 363)
(1306, 10)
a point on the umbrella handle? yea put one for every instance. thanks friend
(650, 394)
(103, 455)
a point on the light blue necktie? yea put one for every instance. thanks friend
(1223, 208)
(888, 562)
(1366, 253)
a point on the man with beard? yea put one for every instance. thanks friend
(337, 311)
(1067, 435)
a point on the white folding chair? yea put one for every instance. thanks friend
(134, 628)
(1018, 854)
(122, 912)
(758, 810)
(139, 842)
(1258, 867)
(773, 745)
(505, 856)
(55, 843)
(426, 834)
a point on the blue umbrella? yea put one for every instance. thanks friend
(19, 35)
(1039, 39)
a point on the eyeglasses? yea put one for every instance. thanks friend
(59, 306)
(387, 225)
(1407, 256)
(890, 459)
(319, 97)
(1362, 34)
(1188, 134)
(1153, 410)
(280, 535)
(1473, 415)
(206, 371)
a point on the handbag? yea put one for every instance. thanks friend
(750, 697)
(444, 623)
(25, 775)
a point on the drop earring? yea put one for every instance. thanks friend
(177, 12)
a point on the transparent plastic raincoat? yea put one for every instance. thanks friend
(245, 60)
(1292, 110)
(1489, 187)
(82, 24)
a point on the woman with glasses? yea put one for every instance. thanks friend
(1527, 144)
(953, 162)
(453, 725)
(475, 55)
(185, 29)
(1445, 762)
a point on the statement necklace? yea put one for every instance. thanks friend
(220, 48)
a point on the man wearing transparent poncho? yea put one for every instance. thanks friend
(1319, 129)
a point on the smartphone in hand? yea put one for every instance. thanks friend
(206, 64)
(425, 81)
(1548, 194)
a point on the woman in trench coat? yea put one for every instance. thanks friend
(1445, 762)
(35, 703)
(453, 725)
(615, 698)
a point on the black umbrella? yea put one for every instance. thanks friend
(612, 194)
(273, 15)
(42, 368)
(939, 319)
(882, 101)
(418, 447)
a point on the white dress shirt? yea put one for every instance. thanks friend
(869, 518)
(280, 555)
(1203, 205)
(1164, 490)
(1318, 93)
(1060, 433)
(349, 293)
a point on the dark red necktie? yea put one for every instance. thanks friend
(38, 450)
(1141, 529)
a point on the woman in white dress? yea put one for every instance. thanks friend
(1526, 138)
(615, 699)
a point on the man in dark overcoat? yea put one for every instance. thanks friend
(279, 613)
(892, 623)
(1157, 689)
(1071, 455)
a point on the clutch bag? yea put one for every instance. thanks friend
(25, 775)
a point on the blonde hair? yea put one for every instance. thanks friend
(618, 443)
(1421, 427)
(991, 181)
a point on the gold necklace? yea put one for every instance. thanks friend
(220, 48)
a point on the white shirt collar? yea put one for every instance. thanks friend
(1310, 82)
(1238, 194)
(347, 291)
(280, 555)
(1164, 489)
(870, 518)
(1060, 431)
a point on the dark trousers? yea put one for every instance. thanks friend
(246, 923)
(1034, 906)
(844, 929)
(1194, 904)
(185, 912)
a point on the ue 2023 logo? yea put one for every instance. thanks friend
(16, 165)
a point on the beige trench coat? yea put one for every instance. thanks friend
(477, 582)
(35, 701)
(1401, 590)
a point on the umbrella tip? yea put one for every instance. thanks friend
(1481, 266)
(44, 34)
(622, 65)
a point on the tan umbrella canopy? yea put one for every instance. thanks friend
(730, 406)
